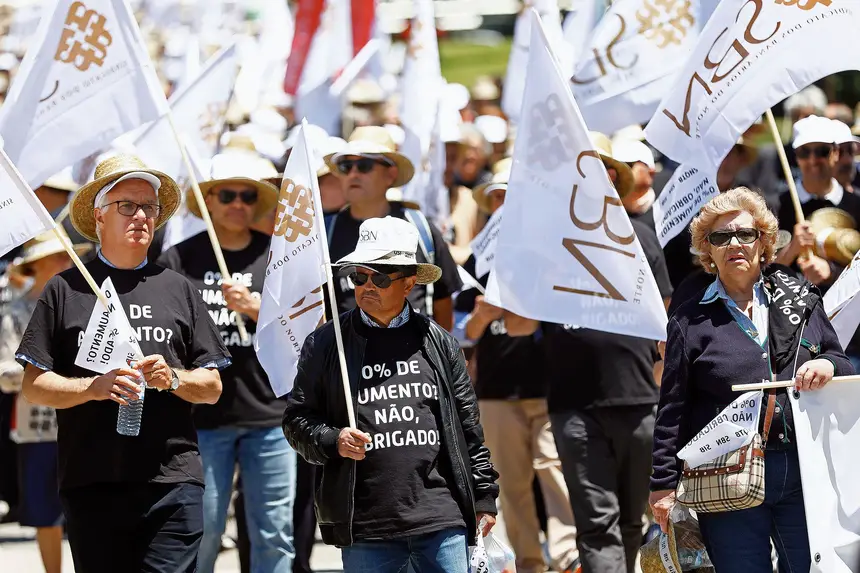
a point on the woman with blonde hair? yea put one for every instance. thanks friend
(755, 321)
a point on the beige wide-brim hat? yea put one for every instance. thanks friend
(246, 168)
(603, 146)
(82, 204)
(501, 176)
(45, 245)
(374, 142)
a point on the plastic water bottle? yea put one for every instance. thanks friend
(128, 419)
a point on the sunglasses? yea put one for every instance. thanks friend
(819, 151)
(363, 164)
(227, 196)
(723, 238)
(846, 149)
(381, 280)
(130, 208)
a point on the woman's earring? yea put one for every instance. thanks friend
(713, 266)
(762, 258)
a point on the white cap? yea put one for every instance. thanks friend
(842, 133)
(456, 96)
(316, 135)
(241, 165)
(813, 129)
(632, 151)
(148, 177)
(494, 128)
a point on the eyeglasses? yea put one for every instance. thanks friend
(819, 151)
(130, 208)
(363, 164)
(744, 237)
(227, 196)
(381, 280)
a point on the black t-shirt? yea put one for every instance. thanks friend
(646, 217)
(509, 367)
(405, 485)
(850, 203)
(656, 260)
(247, 399)
(344, 238)
(170, 319)
(680, 262)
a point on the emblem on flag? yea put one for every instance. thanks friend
(295, 215)
(84, 40)
(665, 22)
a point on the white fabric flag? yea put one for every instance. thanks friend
(842, 304)
(484, 245)
(515, 76)
(687, 191)
(633, 55)
(109, 341)
(577, 27)
(85, 80)
(732, 429)
(292, 299)
(750, 56)
(468, 280)
(827, 430)
(22, 215)
(566, 251)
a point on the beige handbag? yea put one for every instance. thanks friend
(732, 481)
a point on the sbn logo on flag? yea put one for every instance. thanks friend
(665, 22)
(549, 139)
(295, 215)
(84, 41)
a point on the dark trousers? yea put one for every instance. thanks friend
(606, 459)
(304, 518)
(740, 540)
(134, 528)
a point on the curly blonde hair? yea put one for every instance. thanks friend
(733, 201)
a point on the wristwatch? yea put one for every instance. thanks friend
(174, 385)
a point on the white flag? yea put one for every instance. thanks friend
(85, 80)
(732, 429)
(109, 341)
(567, 252)
(515, 77)
(578, 25)
(827, 429)
(687, 191)
(484, 245)
(633, 55)
(22, 215)
(842, 304)
(292, 299)
(750, 56)
(199, 110)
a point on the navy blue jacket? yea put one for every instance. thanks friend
(707, 352)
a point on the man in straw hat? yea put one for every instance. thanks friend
(35, 427)
(412, 482)
(368, 166)
(131, 503)
(603, 427)
(244, 427)
(511, 395)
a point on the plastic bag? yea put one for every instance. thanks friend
(490, 555)
(682, 549)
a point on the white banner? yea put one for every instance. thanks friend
(567, 252)
(842, 304)
(732, 429)
(633, 55)
(751, 55)
(484, 245)
(85, 80)
(292, 300)
(688, 190)
(109, 341)
(578, 24)
(22, 215)
(827, 428)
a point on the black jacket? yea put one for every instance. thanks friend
(316, 412)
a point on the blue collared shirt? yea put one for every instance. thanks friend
(113, 266)
(756, 327)
(398, 320)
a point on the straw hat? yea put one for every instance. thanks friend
(831, 217)
(501, 175)
(389, 241)
(108, 171)
(837, 245)
(374, 141)
(603, 146)
(45, 245)
(237, 166)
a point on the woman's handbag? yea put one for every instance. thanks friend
(732, 481)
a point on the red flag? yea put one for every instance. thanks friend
(363, 16)
(307, 21)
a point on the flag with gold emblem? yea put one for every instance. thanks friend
(85, 80)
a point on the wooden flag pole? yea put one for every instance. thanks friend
(204, 212)
(63, 214)
(80, 265)
(786, 383)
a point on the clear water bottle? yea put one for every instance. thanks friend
(128, 419)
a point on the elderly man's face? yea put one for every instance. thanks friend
(232, 205)
(331, 192)
(845, 164)
(471, 161)
(361, 187)
(817, 162)
(132, 231)
(377, 301)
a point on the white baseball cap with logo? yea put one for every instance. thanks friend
(813, 129)
(389, 241)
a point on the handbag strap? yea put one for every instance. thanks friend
(768, 416)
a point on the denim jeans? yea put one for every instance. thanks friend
(268, 468)
(740, 540)
(442, 551)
